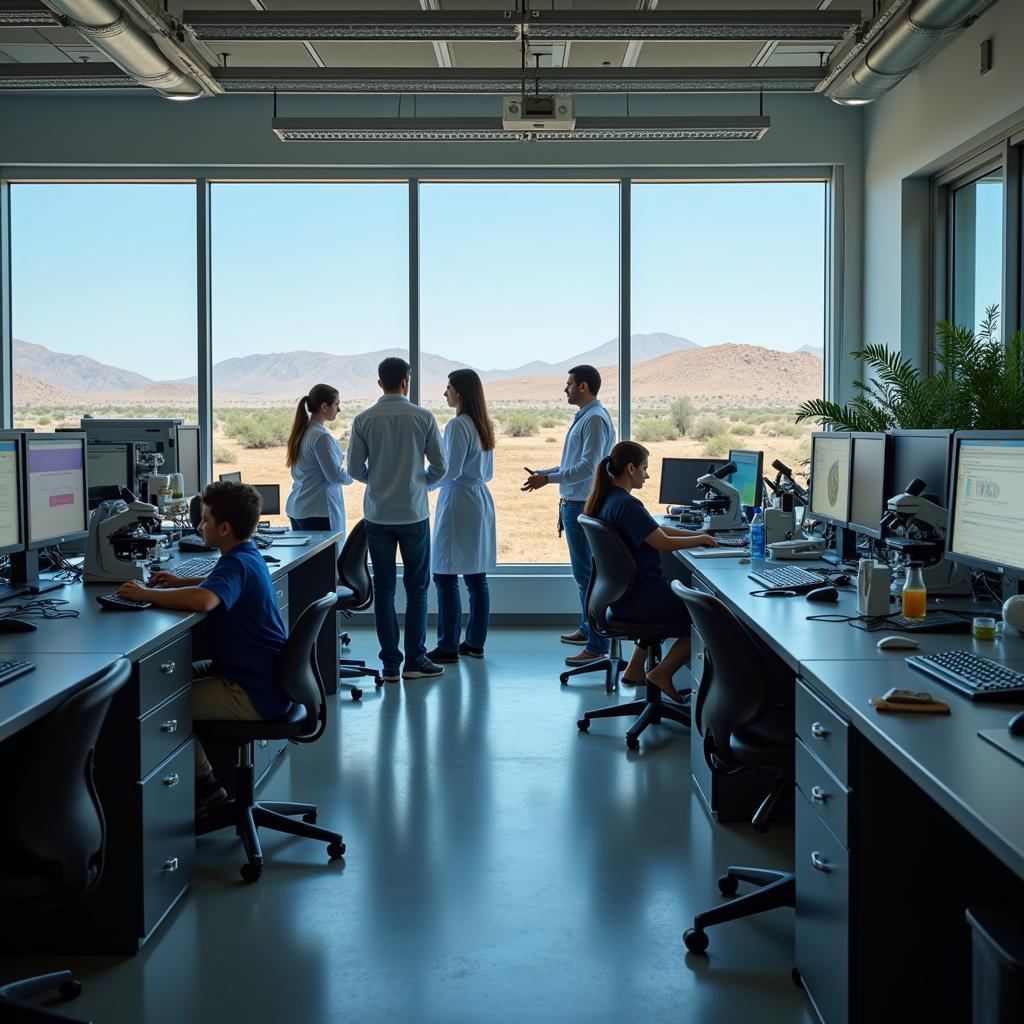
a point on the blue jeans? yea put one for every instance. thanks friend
(311, 523)
(413, 540)
(449, 610)
(580, 559)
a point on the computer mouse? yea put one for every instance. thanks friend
(897, 643)
(17, 626)
(1016, 725)
(828, 594)
(271, 558)
(841, 580)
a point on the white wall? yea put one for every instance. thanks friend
(942, 112)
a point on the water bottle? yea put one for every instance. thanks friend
(758, 548)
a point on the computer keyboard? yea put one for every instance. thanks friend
(195, 567)
(12, 669)
(121, 604)
(732, 538)
(788, 577)
(933, 622)
(975, 677)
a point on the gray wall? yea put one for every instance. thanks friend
(939, 114)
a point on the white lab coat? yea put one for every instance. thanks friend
(317, 479)
(465, 539)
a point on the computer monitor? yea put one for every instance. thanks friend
(110, 468)
(830, 477)
(230, 478)
(54, 484)
(271, 495)
(868, 483)
(748, 479)
(12, 535)
(188, 458)
(986, 500)
(920, 455)
(679, 479)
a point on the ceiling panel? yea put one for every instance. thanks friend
(265, 55)
(34, 53)
(487, 55)
(596, 55)
(381, 55)
(698, 55)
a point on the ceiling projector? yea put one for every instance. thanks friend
(538, 113)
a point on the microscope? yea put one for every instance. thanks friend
(721, 501)
(121, 534)
(922, 523)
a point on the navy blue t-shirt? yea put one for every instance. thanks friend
(246, 630)
(633, 523)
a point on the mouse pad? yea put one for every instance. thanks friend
(1001, 738)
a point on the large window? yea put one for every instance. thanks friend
(104, 302)
(520, 282)
(977, 249)
(727, 316)
(310, 285)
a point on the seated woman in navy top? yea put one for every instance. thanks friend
(651, 599)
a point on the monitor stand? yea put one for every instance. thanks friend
(9, 590)
(24, 574)
(846, 547)
(1012, 586)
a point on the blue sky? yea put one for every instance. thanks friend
(509, 273)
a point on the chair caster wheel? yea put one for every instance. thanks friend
(564, 679)
(695, 941)
(344, 640)
(377, 681)
(70, 989)
(633, 742)
(797, 977)
(251, 872)
(356, 693)
(583, 724)
(728, 886)
(336, 850)
(309, 817)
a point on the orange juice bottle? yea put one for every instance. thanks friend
(914, 594)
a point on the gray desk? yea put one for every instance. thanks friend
(902, 821)
(144, 760)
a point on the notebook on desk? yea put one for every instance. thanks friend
(295, 541)
(933, 622)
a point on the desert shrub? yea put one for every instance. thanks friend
(681, 412)
(259, 428)
(717, 445)
(550, 421)
(784, 428)
(551, 440)
(655, 429)
(706, 427)
(521, 424)
(43, 420)
(743, 429)
(225, 456)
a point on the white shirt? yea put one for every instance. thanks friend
(317, 478)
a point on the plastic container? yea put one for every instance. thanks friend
(915, 596)
(758, 543)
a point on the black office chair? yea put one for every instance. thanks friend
(612, 664)
(354, 577)
(613, 577)
(304, 723)
(54, 847)
(742, 731)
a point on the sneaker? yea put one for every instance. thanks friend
(209, 793)
(390, 674)
(576, 637)
(444, 657)
(471, 652)
(584, 658)
(424, 670)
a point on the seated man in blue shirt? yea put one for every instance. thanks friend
(247, 634)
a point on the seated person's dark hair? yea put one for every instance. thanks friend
(392, 371)
(238, 505)
(584, 373)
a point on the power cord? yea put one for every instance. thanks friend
(39, 608)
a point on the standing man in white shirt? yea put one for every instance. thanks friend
(590, 438)
(388, 445)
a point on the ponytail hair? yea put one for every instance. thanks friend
(319, 394)
(625, 453)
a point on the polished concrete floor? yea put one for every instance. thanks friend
(501, 866)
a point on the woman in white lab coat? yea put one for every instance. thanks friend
(317, 464)
(464, 541)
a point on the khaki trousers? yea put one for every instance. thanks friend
(219, 699)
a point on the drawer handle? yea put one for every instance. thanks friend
(817, 793)
(167, 667)
(818, 731)
(262, 743)
(819, 863)
(170, 780)
(171, 725)
(171, 864)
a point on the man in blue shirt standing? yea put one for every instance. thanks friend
(386, 451)
(590, 438)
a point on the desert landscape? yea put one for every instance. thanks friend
(687, 401)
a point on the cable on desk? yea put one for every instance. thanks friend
(63, 570)
(39, 608)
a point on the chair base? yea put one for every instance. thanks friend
(351, 668)
(652, 710)
(612, 666)
(775, 889)
(15, 1010)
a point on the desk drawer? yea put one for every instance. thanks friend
(822, 915)
(823, 792)
(163, 730)
(164, 672)
(168, 834)
(824, 731)
(281, 592)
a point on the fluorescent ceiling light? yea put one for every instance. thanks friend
(489, 129)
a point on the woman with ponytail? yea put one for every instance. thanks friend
(317, 464)
(651, 599)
